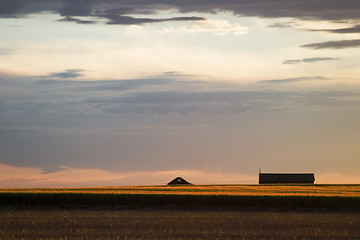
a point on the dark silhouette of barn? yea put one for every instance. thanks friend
(178, 181)
(268, 178)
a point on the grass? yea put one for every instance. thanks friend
(161, 224)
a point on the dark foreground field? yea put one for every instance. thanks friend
(176, 224)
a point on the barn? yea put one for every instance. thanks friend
(178, 181)
(271, 178)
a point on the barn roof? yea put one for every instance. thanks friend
(286, 178)
(178, 181)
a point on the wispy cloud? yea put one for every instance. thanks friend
(122, 15)
(282, 25)
(157, 96)
(4, 51)
(353, 29)
(70, 73)
(293, 61)
(309, 60)
(293, 80)
(77, 20)
(215, 26)
(22, 177)
(127, 20)
(318, 59)
(29, 177)
(334, 44)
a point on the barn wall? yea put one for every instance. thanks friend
(286, 178)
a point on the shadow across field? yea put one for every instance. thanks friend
(164, 201)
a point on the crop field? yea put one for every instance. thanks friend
(234, 190)
(330, 197)
(182, 212)
(170, 224)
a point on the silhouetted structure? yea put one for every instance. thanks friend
(178, 181)
(269, 178)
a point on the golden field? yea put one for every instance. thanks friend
(182, 212)
(225, 190)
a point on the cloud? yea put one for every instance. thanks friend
(70, 73)
(297, 26)
(318, 59)
(156, 96)
(113, 85)
(160, 96)
(292, 61)
(215, 26)
(77, 20)
(309, 60)
(354, 29)
(10, 7)
(332, 10)
(117, 19)
(4, 51)
(159, 124)
(76, 8)
(334, 44)
(19, 8)
(282, 25)
(301, 9)
(121, 16)
(28, 177)
(293, 80)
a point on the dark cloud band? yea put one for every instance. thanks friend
(76, 20)
(301, 9)
(309, 60)
(354, 29)
(334, 44)
(126, 20)
(70, 73)
(293, 80)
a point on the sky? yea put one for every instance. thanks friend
(120, 92)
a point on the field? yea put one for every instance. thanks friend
(182, 212)
(330, 197)
(234, 190)
(164, 224)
